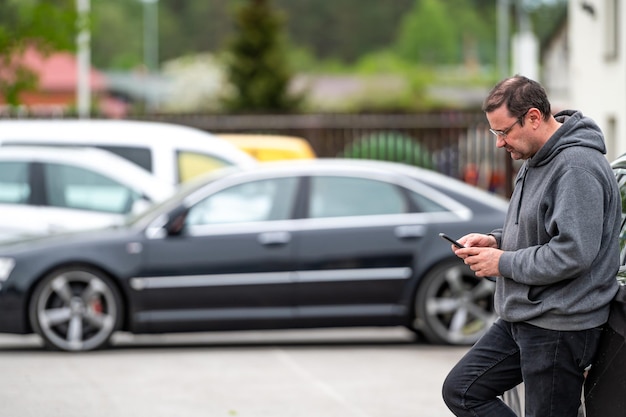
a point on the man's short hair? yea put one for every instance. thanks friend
(519, 94)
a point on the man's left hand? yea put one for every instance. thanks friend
(483, 261)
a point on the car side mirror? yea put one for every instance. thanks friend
(176, 222)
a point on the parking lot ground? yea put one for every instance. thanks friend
(368, 372)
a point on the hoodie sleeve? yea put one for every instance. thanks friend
(497, 234)
(571, 225)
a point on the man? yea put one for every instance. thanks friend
(555, 260)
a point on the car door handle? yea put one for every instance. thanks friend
(274, 238)
(410, 232)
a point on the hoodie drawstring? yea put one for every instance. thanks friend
(521, 195)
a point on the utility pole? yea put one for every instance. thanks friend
(503, 38)
(151, 34)
(83, 80)
(150, 48)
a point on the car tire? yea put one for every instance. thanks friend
(75, 309)
(453, 306)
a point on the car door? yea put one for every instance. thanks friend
(76, 198)
(18, 200)
(40, 198)
(358, 251)
(231, 266)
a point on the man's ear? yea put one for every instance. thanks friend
(534, 117)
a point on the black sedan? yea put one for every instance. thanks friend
(322, 243)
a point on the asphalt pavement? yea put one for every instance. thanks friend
(311, 373)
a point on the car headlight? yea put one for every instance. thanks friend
(6, 266)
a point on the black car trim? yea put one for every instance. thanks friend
(214, 314)
(264, 313)
(345, 310)
(218, 280)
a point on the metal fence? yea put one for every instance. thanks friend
(457, 144)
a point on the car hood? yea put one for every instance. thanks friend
(70, 239)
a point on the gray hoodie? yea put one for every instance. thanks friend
(561, 233)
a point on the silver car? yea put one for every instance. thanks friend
(45, 190)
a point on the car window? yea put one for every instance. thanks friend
(78, 188)
(193, 164)
(261, 200)
(141, 156)
(424, 204)
(346, 196)
(14, 182)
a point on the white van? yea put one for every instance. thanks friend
(174, 153)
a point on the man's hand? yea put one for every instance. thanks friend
(483, 261)
(480, 253)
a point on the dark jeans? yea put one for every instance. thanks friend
(551, 364)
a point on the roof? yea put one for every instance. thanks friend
(58, 71)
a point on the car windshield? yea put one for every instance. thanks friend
(184, 189)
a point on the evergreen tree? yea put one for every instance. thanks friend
(257, 61)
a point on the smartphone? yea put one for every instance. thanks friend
(449, 239)
(457, 244)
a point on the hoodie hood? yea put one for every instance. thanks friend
(577, 130)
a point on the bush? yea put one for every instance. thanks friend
(389, 146)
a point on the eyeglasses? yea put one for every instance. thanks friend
(503, 133)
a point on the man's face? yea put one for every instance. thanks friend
(510, 134)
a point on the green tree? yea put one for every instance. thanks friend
(451, 32)
(343, 29)
(474, 30)
(117, 34)
(45, 24)
(426, 35)
(207, 26)
(257, 61)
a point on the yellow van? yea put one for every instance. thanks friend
(271, 147)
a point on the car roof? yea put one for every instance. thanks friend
(428, 176)
(452, 188)
(101, 161)
(455, 194)
(118, 132)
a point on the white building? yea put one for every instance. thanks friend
(597, 51)
(555, 67)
